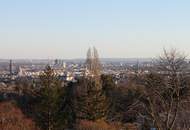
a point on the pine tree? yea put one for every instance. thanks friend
(50, 101)
(68, 107)
(92, 102)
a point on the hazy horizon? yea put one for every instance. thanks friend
(65, 29)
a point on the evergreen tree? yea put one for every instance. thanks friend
(108, 84)
(68, 107)
(92, 102)
(49, 107)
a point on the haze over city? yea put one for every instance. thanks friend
(118, 28)
(94, 64)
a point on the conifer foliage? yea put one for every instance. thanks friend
(92, 102)
(50, 101)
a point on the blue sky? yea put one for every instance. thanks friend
(118, 28)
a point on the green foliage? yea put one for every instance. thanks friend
(108, 84)
(48, 109)
(68, 107)
(92, 102)
(123, 100)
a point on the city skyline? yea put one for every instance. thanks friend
(118, 29)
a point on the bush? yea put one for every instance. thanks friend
(98, 125)
(12, 118)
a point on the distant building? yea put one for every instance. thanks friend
(56, 62)
(11, 67)
(59, 63)
(21, 72)
(64, 65)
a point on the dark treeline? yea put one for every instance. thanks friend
(159, 99)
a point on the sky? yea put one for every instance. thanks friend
(117, 28)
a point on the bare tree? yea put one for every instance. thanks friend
(165, 90)
(96, 62)
(89, 59)
(93, 64)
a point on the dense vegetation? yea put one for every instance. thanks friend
(95, 102)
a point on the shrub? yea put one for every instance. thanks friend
(12, 118)
(98, 125)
